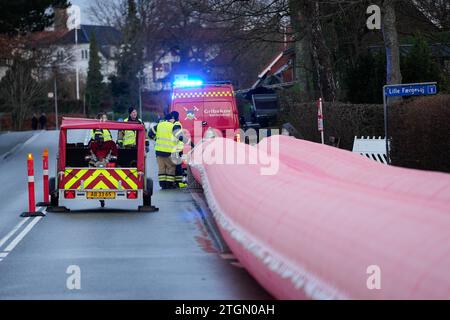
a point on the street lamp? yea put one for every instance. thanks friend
(140, 76)
(54, 94)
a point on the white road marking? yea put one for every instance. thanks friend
(3, 254)
(13, 231)
(21, 235)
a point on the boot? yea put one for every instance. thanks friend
(163, 184)
(171, 185)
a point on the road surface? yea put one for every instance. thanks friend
(117, 253)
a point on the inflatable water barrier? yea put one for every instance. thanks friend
(314, 222)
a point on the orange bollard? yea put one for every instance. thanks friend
(31, 197)
(46, 196)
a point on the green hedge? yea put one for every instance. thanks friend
(419, 127)
(420, 131)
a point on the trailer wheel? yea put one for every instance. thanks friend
(148, 192)
(147, 199)
(53, 193)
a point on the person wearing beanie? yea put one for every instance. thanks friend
(127, 138)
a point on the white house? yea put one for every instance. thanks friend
(77, 46)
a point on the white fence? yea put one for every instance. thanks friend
(373, 148)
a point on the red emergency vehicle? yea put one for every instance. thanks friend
(81, 179)
(211, 105)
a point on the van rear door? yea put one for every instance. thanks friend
(219, 108)
(189, 104)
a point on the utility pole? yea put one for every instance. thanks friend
(74, 23)
(76, 63)
(140, 96)
(55, 90)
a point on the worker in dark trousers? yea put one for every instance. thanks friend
(178, 132)
(165, 134)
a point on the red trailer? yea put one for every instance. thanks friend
(79, 179)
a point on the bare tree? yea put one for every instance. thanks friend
(436, 10)
(109, 13)
(32, 62)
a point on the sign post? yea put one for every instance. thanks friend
(320, 119)
(403, 90)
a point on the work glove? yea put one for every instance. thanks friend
(147, 149)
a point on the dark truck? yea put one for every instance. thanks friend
(258, 108)
(264, 109)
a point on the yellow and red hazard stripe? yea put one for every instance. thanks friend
(101, 179)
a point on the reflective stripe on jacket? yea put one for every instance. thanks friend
(165, 140)
(105, 132)
(128, 137)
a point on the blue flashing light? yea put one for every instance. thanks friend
(187, 83)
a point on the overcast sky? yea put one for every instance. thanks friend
(84, 5)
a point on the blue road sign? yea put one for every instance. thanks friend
(410, 90)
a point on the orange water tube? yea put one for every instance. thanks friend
(328, 224)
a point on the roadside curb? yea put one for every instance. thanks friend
(209, 222)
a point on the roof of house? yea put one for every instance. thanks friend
(105, 35)
(283, 58)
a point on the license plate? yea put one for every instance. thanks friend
(101, 195)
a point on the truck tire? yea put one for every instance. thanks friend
(53, 192)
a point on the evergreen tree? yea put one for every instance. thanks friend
(364, 80)
(418, 65)
(21, 16)
(125, 86)
(94, 85)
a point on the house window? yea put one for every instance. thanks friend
(166, 67)
(84, 54)
(60, 56)
(158, 67)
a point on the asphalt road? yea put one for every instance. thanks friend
(94, 253)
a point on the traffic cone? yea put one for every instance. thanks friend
(31, 197)
(46, 195)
